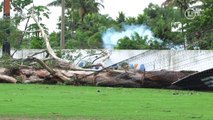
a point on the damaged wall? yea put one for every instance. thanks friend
(195, 60)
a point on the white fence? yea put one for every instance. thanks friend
(197, 60)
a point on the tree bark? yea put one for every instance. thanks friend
(7, 79)
(57, 74)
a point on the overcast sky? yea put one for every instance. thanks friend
(112, 7)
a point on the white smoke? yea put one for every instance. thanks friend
(111, 36)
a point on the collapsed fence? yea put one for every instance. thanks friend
(189, 60)
(153, 60)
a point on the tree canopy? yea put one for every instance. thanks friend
(85, 26)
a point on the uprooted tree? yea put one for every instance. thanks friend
(15, 67)
(79, 69)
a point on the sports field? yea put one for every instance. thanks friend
(23, 102)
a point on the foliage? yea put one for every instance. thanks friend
(88, 35)
(34, 32)
(85, 26)
(54, 39)
(7, 62)
(137, 42)
(15, 38)
(10, 31)
(40, 11)
(94, 41)
(19, 5)
(160, 20)
(121, 17)
(83, 7)
(1, 6)
(200, 30)
(4, 29)
(37, 43)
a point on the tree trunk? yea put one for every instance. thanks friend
(7, 79)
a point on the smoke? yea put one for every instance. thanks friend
(111, 36)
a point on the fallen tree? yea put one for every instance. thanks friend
(7, 79)
(54, 69)
(111, 78)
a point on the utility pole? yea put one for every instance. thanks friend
(62, 41)
(6, 15)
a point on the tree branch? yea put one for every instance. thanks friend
(8, 79)
(58, 74)
(47, 43)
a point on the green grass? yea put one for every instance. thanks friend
(85, 103)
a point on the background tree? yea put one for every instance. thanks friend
(77, 35)
(84, 26)
(160, 19)
(138, 42)
(200, 29)
(89, 35)
(83, 7)
(17, 37)
(35, 37)
(121, 17)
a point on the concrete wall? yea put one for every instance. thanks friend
(154, 60)
(177, 60)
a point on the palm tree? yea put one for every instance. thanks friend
(121, 17)
(183, 4)
(82, 6)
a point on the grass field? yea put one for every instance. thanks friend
(90, 103)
